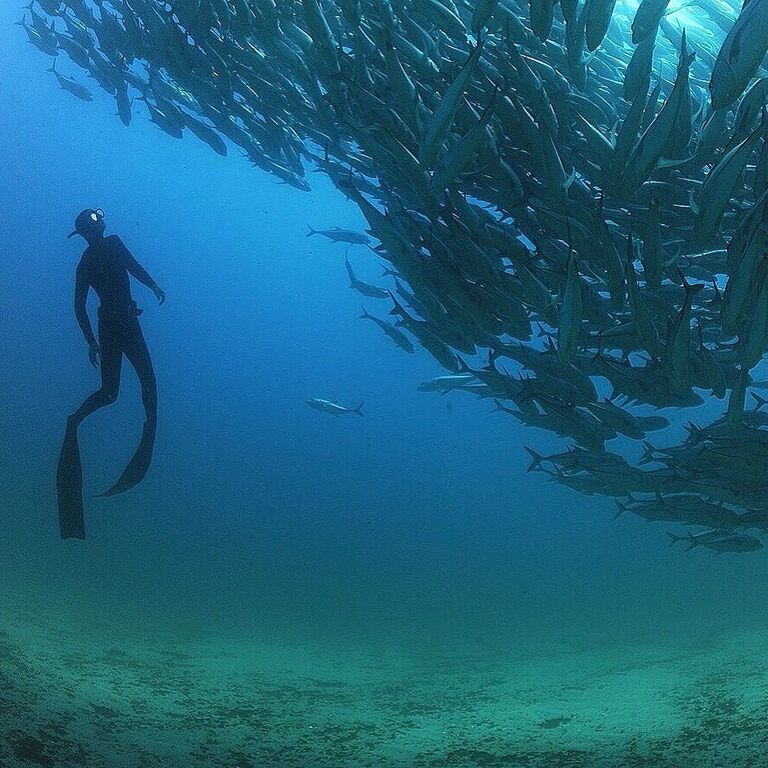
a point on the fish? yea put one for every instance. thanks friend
(720, 184)
(441, 119)
(697, 539)
(737, 542)
(124, 104)
(395, 334)
(445, 384)
(648, 153)
(339, 235)
(332, 407)
(647, 19)
(740, 55)
(570, 315)
(598, 15)
(74, 50)
(207, 134)
(71, 85)
(372, 291)
(502, 155)
(45, 42)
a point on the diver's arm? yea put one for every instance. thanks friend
(142, 275)
(82, 285)
(81, 311)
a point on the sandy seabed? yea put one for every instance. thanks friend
(73, 698)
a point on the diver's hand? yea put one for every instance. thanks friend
(94, 354)
(159, 294)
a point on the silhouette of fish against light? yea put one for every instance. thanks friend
(329, 406)
(339, 235)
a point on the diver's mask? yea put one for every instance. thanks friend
(86, 219)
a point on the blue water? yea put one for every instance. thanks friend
(255, 502)
(416, 526)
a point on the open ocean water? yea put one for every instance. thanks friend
(285, 588)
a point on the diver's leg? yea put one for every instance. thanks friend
(136, 351)
(111, 364)
(69, 473)
(138, 355)
(69, 486)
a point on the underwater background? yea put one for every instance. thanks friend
(290, 589)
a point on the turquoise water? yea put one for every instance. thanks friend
(285, 588)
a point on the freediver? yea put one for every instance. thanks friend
(105, 267)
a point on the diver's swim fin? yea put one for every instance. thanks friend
(138, 465)
(69, 487)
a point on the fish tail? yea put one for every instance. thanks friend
(397, 309)
(695, 433)
(463, 367)
(536, 459)
(648, 451)
(359, 409)
(311, 231)
(674, 539)
(365, 314)
(759, 401)
(622, 508)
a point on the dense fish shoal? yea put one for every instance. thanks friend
(570, 198)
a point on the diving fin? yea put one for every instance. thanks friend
(138, 465)
(69, 487)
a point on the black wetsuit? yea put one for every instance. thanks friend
(105, 266)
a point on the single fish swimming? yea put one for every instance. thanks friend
(338, 235)
(329, 406)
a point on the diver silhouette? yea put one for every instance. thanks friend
(105, 267)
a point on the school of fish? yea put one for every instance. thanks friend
(570, 197)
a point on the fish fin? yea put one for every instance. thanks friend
(311, 231)
(614, 132)
(666, 162)
(694, 205)
(689, 288)
(398, 308)
(760, 402)
(677, 8)
(674, 538)
(648, 451)
(359, 409)
(536, 459)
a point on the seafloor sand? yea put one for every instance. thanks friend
(68, 698)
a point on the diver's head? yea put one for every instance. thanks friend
(89, 224)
